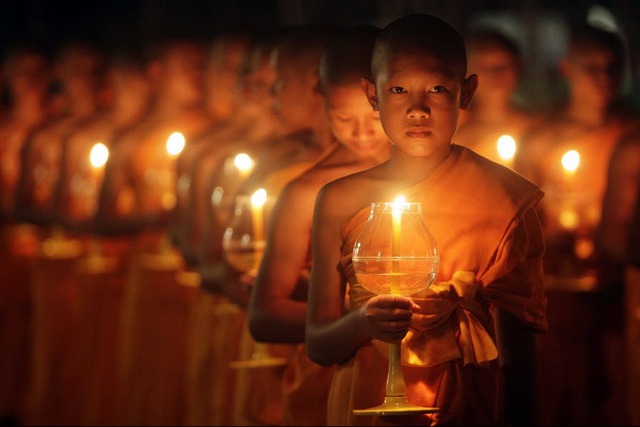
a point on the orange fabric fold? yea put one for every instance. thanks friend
(483, 217)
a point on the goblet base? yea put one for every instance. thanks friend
(396, 405)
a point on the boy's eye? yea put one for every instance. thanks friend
(397, 89)
(437, 89)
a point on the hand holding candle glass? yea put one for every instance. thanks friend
(395, 254)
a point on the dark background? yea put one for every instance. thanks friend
(539, 26)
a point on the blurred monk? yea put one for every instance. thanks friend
(277, 309)
(27, 74)
(495, 112)
(568, 156)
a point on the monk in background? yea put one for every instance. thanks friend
(568, 156)
(305, 138)
(495, 111)
(277, 308)
(102, 268)
(213, 178)
(28, 74)
(616, 243)
(80, 77)
(483, 218)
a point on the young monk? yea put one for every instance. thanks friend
(80, 182)
(80, 71)
(495, 111)
(27, 75)
(139, 191)
(482, 217)
(305, 138)
(587, 125)
(277, 308)
(617, 245)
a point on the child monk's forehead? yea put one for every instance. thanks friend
(415, 57)
(420, 33)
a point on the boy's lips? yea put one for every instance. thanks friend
(418, 132)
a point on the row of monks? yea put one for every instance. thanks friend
(119, 171)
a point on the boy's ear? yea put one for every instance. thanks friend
(369, 89)
(469, 86)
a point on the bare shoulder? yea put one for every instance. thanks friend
(344, 196)
(627, 153)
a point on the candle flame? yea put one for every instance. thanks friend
(243, 162)
(175, 143)
(259, 197)
(571, 160)
(99, 155)
(506, 146)
(399, 202)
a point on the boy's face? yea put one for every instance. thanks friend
(183, 76)
(28, 74)
(222, 78)
(595, 76)
(419, 97)
(498, 74)
(354, 123)
(294, 94)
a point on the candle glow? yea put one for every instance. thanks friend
(258, 200)
(571, 161)
(99, 155)
(175, 144)
(506, 147)
(396, 215)
(243, 163)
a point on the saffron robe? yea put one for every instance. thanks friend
(483, 217)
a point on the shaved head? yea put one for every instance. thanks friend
(420, 33)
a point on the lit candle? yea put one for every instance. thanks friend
(98, 159)
(244, 164)
(258, 200)
(175, 144)
(506, 147)
(396, 217)
(569, 218)
(99, 155)
(570, 162)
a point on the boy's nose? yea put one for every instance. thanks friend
(418, 112)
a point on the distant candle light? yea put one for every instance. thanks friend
(243, 162)
(506, 146)
(99, 155)
(258, 199)
(175, 143)
(571, 161)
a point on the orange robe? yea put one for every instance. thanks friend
(484, 220)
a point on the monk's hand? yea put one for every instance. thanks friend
(387, 317)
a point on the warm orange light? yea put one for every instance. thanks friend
(99, 155)
(571, 161)
(258, 199)
(506, 146)
(244, 163)
(175, 144)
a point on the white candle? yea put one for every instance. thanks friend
(258, 200)
(396, 215)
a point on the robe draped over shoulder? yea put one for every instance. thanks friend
(484, 220)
